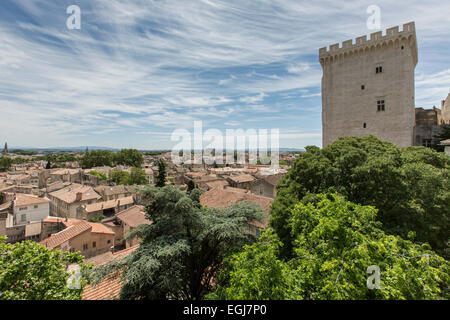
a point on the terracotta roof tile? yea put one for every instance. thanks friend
(72, 231)
(28, 200)
(109, 204)
(223, 198)
(109, 288)
(242, 178)
(133, 216)
(69, 194)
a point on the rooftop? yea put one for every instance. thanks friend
(28, 200)
(133, 216)
(69, 194)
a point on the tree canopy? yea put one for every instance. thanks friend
(182, 250)
(129, 157)
(5, 163)
(161, 178)
(409, 186)
(136, 176)
(102, 176)
(100, 158)
(29, 271)
(334, 243)
(96, 158)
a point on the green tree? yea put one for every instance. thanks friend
(120, 177)
(161, 178)
(444, 135)
(138, 176)
(129, 157)
(102, 176)
(29, 271)
(190, 186)
(5, 163)
(182, 250)
(96, 158)
(335, 241)
(409, 186)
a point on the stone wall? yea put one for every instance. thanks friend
(352, 87)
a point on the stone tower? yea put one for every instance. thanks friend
(368, 87)
(5, 150)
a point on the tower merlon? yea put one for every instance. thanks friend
(375, 38)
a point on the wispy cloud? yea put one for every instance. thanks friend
(140, 66)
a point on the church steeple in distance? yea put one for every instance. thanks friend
(5, 150)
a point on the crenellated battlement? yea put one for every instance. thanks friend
(375, 39)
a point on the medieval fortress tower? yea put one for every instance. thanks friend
(368, 87)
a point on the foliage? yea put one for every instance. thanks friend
(444, 135)
(102, 176)
(23, 152)
(120, 177)
(182, 250)
(29, 271)
(409, 186)
(96, 158)
(97, 218)
(5, 163)
(190, 185)
(335, 241)
(161, 178)
(129, 157)
(138, 176)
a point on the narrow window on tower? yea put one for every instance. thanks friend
(380, 105)
(379, 69)
(364, 125)
(363, 87)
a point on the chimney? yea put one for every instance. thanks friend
(79, 196)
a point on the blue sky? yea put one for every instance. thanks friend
(137, 70)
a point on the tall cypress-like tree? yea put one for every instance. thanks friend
(161, 178)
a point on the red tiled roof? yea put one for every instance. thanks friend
(74, 227)
(133, 216)
(223, 198)
(72, 231)
(28, 199)
(69, 194)
(108, 288)
(242, 178)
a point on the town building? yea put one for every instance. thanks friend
(88, 238)
(104, 208)
(65, 202)
(368, 89)
(28, 208)
(125, 221)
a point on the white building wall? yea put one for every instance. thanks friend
(35, 212)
